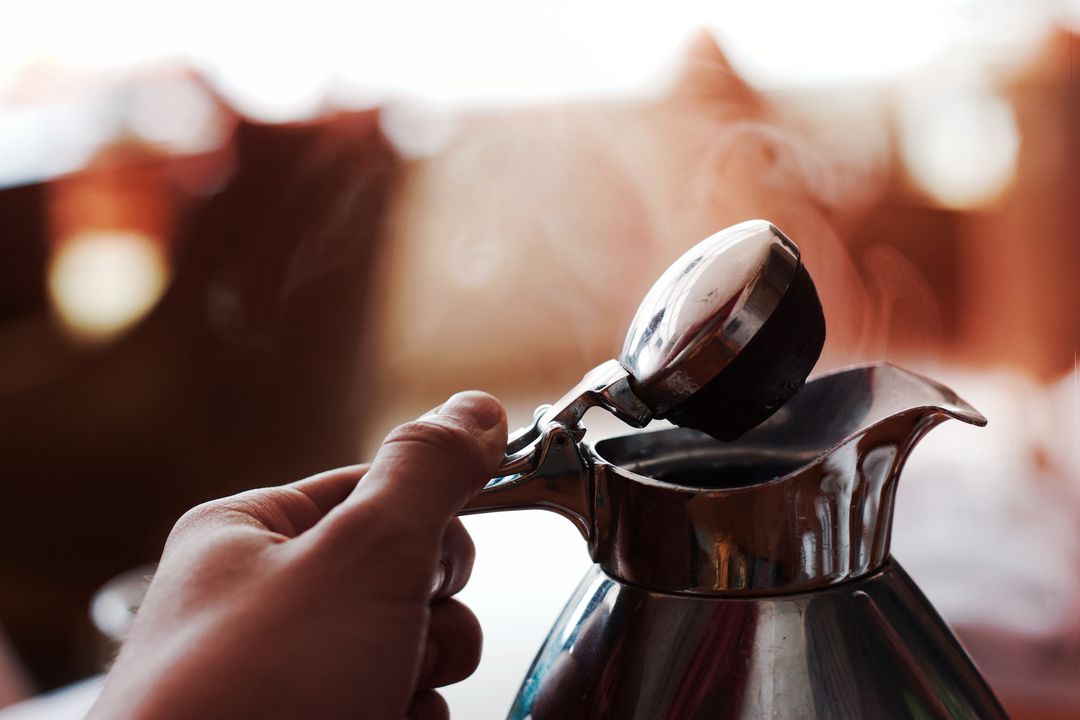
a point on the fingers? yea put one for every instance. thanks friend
(428, 705)
(455, 566)
(453, 646)
(423, 474)
(329, 489)
(426, 470)
(285, 509)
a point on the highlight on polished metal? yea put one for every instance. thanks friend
(743, 572)
(705, 309)
(803, 501)
(751, 580)
(726, 335)
(874, 649)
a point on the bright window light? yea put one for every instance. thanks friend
(285, 60)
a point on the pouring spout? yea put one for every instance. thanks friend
(877, 399)
(901, 390)
(802, 501)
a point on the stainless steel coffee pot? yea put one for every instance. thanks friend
(749, 577)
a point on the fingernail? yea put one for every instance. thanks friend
(476, 408)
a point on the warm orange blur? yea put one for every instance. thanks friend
(265, 302)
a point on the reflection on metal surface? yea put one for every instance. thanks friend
(746, 579)
(802, 501)
(749, 579)
(558, 481)
(697, 318)
(868, 649)
(705, 309)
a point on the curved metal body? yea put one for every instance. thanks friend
(749, 579)
(800, 502)
(867, 649)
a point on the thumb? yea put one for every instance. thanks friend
(427, 469)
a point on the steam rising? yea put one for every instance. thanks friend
(903, 310)
(521, 248)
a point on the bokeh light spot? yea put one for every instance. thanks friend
(102, 281)
(962, 150)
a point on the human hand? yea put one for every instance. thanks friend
(329, 597)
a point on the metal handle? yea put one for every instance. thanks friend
(607, 386)
(543, 466)
(559, 480)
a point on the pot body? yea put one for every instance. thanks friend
(747, 579)
(867, 648)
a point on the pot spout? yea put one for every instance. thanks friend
(804, 500)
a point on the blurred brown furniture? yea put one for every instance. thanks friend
(249, 372)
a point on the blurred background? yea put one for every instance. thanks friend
(241, 240)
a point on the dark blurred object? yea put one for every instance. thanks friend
(22, 243)
(247, 373)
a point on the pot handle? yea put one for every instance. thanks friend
(549, 474)
(544, 466)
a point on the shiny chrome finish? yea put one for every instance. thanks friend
(555, 478)
(800, 502)
(746, 579)
(705, 309)
(749, 580)
(543, 467)
(696, 318)
(871, 649)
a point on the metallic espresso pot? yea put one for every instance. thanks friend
(747, 576)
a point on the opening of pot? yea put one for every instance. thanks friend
(688, 458)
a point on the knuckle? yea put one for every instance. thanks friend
(199, 530)
(274, 507)
(212, 518)
(444, 441)
(198, 518)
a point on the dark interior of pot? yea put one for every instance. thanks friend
(822, 414)
(689, 458)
